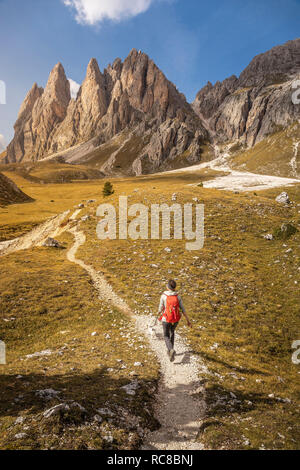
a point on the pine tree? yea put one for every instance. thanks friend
(108, 189)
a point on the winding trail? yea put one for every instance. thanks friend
(103, 288)
(37, 237)
(177, 410)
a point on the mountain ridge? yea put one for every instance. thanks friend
(132, 95)
(254, 105)
(133, 103)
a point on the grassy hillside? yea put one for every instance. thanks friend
(275, 155)
(10, 193)
(241, 291)
(49, 200)
(52, 171)
(48, 304)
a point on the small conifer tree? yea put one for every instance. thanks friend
(108, 189)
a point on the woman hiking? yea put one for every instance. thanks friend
(169, 313)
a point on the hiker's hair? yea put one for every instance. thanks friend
(172, 284)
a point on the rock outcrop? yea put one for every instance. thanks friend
(256, 104)
(41, 113)
(133, 97)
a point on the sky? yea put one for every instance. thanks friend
(192, 41)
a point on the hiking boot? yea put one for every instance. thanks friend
(172, 355)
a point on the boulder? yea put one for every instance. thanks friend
(55, 410)
(47, 394)
(52, 243)
(283, 198)
(269, 236)
(63, 408)
(131, 388)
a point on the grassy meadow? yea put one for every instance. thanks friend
(241, 292)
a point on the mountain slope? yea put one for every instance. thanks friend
(130, 120)
(133, 96)
(10, 193)
(277, 155)
(258, 103)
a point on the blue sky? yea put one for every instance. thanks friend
(192, 41)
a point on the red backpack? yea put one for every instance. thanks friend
(172, 311)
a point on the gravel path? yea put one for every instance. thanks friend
(101, 285)
(37, 236)
(176, 409)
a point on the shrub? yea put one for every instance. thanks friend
(108, 189)
(284, 232)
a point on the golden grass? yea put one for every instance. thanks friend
(271, 156)
(242, 294)
(48, 303)
(240, 290)
(49, 200)
(52, 171)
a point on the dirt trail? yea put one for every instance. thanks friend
(37, 236)
(177, 410)
(101, 285)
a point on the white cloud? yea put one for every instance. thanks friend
(2, 143)
(92, 12)
(74, 87)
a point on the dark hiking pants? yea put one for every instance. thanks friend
(169, 334)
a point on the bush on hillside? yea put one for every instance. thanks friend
(108, 189)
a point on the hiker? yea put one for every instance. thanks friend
(169, 313)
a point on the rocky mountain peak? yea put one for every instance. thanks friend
(58, 86)
(210, 97)
(117, 64)
(275, 65)
(257, 103)
(93, 71)
(26, 107)
(92, 98)
(132, 96)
